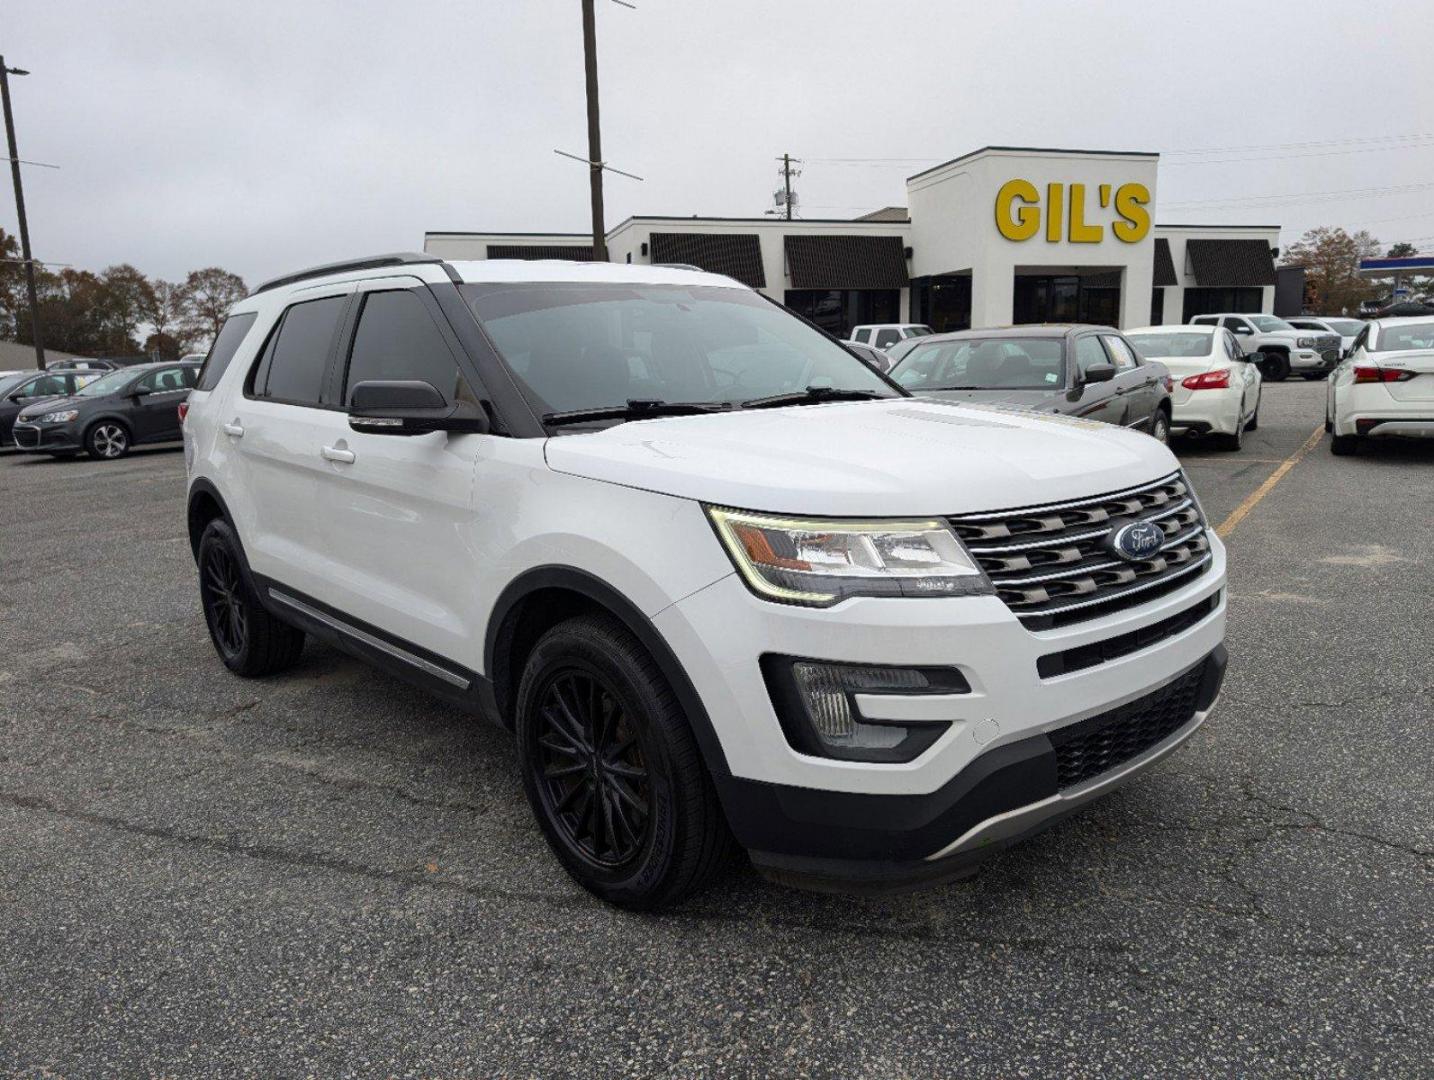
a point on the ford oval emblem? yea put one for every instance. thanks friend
(1138, 540)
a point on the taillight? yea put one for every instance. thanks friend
(1218, 379)
(1379, 374)
(183, 410)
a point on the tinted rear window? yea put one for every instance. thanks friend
(301, 353)
(231, 334)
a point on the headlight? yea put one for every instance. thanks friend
(62, 417)
(820, 562)
(1305, 343)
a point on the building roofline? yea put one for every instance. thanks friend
(1164, 225)
(1034, 150)
(766, 220)
(480, 232)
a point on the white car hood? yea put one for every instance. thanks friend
(899, 457)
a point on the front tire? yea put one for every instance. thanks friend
(612, 771)
(249, 640)
(107, 440)
(1276, 367)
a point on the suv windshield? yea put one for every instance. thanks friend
(1345, 327)
(575, 346)
(1268, 323)
(105, 384)
(1173, 343)
(1006, 363)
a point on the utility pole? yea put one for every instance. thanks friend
(5, 73)
(786, 182)
(594, 132)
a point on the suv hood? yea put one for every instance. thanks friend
(898, 457)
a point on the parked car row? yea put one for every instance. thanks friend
(65, 412)
(1384, 388)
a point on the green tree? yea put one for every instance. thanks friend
(211, 292)
(126, 295)
(1401, 250)
(1331, 257)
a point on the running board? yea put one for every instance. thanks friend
(362, 636)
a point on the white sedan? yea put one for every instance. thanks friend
(1386, 385)
(1217, 387)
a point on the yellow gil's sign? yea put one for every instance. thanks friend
(1018, 212)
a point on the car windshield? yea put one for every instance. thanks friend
(1268, 323)
(1173, 343)
(579, 346)
(105, 384)
(1418, 335)
(983, 364)
(1345, 327)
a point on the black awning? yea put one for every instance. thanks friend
(737, 255)
(846, 262)
(1231, 262)
(575, 252)
(1164, 264)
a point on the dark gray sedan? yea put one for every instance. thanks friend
(1086, 371)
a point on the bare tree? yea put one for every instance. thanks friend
(165, 312)
(1331, 257)
(210, 293)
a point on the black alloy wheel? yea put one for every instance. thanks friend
(594, 782)
(1160, 427)
(1276, 367)
(224, 606)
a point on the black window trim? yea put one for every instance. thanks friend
(259, 365)
(349, 334)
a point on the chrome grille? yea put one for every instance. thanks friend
(1328, 346)
(1052, 564)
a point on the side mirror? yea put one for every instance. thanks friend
(1098, 373)
(411, 407)
(1243, 330)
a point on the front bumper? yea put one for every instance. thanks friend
(43, 440)
(802, 815)
(871, 844)
(1306, 360)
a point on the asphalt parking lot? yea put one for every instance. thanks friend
(328, 874)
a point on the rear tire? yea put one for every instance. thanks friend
(108, 440)
(1231, 442)
(1160, 427)
(1276, 367)
(1254, 423)
(612, 770)
(1344, 445)
(249, 640)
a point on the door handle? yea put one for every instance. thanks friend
(236, 429)
(333, 453)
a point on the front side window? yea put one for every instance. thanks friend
(1089, 354)
(1237, 325)
(396, 339)
(231, 334)
(45, 386)
(1120, 352)
(1268, 324)
(163, 381)
(984, 364)
(579, 346)
(299, 354)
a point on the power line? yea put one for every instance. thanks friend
(1309, 196)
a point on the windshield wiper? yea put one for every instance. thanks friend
(812, 395)
(635, 409)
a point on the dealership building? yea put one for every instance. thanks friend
(999, 236)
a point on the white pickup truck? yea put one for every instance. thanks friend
(1285, 349)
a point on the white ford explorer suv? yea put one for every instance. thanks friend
(723, 582)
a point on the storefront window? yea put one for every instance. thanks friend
(837, 310)
(1208, 301)
(1063, 299)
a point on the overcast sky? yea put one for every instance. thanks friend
(266, 136)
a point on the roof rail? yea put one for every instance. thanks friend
(373, 262)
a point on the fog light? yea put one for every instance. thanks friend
(826, 691)
(817, 706)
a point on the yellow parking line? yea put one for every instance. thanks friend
(1238, 514)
